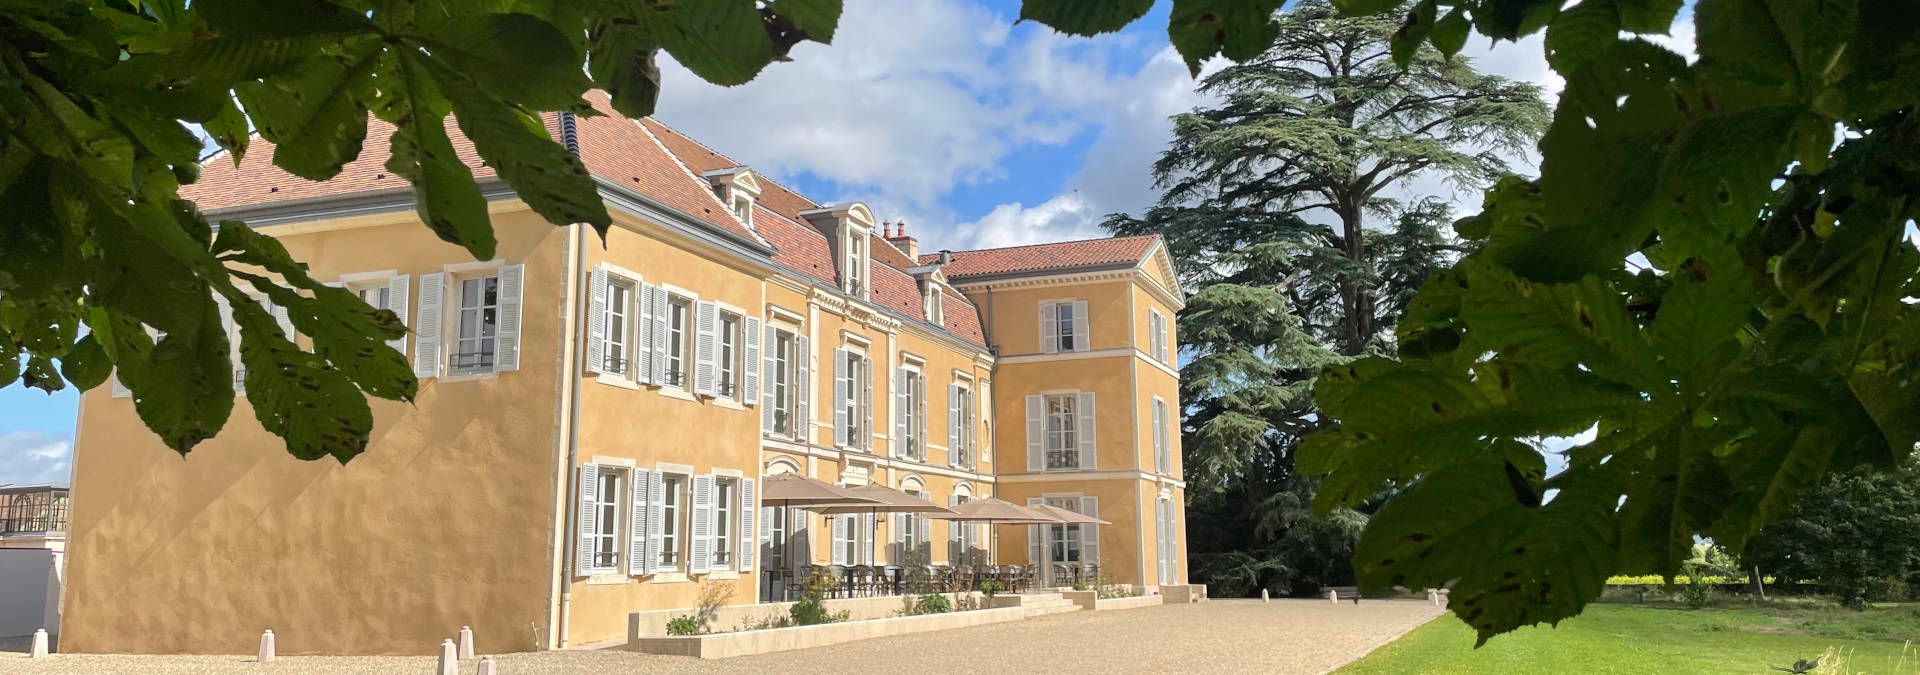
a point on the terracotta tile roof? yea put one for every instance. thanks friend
(798, 246)
(618, 149)
(256, 181)
(962, 317)
(1058, 256)
(702, 159)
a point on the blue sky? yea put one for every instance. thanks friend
(976, 130)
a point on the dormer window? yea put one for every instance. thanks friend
(736, 187)
(936, 305)
(856, 269)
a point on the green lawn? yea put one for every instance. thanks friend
(1610, 638)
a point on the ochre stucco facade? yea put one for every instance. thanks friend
(471, 508)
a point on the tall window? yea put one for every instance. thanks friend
(743, 209)
(1063, 447)
(775, 555)
(679, 340)
(607, 512)
(912, 529)
(619, 326)
(911, 398)
(1063, 319)
(1162, 438)
(936, 305)
(784, 381)
(855, 404)
(856, 270)
(723, 513)
(963, 448)
(729, 355)
(962, 537)
(376, 297)
(478, 324)
(1157, 334)
(1063, 541)
(671, 501)
(846, 539)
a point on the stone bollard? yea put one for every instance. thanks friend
(449, 659)
(466, 643)
(266, 646)
(1434, 596)
(486, 667)
(39, 650)
(1263, 596)
(1333, 597)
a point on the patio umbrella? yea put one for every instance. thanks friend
(994, 511)
(790, 491)
(1065, 516)
(885, 500)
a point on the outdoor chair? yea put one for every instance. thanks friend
(1090, 572)
(863, 580)
(842, 581)
(1064, 574)
(894, 577)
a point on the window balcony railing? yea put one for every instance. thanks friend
(1063, 459)
(471, 361)
(614, 365)
(36, 509)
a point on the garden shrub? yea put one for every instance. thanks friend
(683, 625)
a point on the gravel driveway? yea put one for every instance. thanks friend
(1220, 636)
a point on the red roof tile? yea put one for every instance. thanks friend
(256, 181)
(1058, 256)
(618, 149)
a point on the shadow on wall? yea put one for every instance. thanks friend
(30, 584)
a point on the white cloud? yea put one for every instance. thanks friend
(35, 457)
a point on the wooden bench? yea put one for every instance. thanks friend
(1338, 593)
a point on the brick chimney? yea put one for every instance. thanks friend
(906, 244)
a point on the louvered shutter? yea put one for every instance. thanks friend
(866, 403)
(803, 420)
(589, 520)
(770, 347)
(397, 288)
(797, 539)
(841, 536)
(119, 390)
(1159, 427)
(767, 514)
(750, 361)
(507, 347)
(1160, 536)
(597, 319)
(747, 523)
(924, 526)
(1036, 538)
(955, 551)
(661, 318)
(919, 383)
(842, 389)
(1049, 329)
(285, 321)
(1090, 534)
(639, 535)
(1085, 430)
(866, 537)
(656, 518)
(705, 370)
(900, 412)
(896, 540)
(698, 560)
(226, 326)
(953, 425)
(426, 349)
(641, 366)
(1082, 337)
(1036, 433)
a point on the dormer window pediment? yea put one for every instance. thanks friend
(848, 227)
(738, 188)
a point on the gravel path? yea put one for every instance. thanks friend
(1239, 636)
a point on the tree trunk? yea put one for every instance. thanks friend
(1356, 298)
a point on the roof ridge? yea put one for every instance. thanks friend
(729, 158)
(705, 189)
(1050, 243)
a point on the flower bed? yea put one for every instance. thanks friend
(745, 643)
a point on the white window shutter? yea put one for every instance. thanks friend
(866, 537)
(803, 420)
(661, 319)
(770, 347)
(1049, 329)
(705, 369)
(1159, 438)
(900, 412)
(1090, 534)
(797, 540)
(840, 537)
(955, 554)
(638, 534)
(1160, 537)
(699, 560)
(226, 326)
(841, 392)
(866, 404)
(1036, 432)
(1036, 538)
(750, 361)
(657, 518)
(1084, 430)
(924, 526)
(641, 365)
(119, 390)
(397, 288)
(507, 346)
(919, 383)
(597, 319)
(953, 424)
(1082, 337)
(427, 345)
(747, 522)
(589, 523)
(281, 317)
